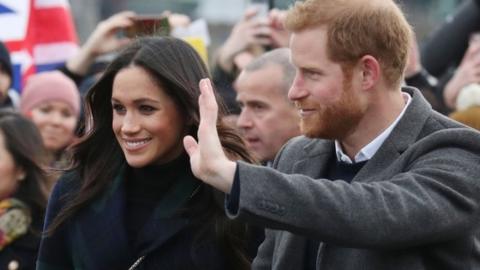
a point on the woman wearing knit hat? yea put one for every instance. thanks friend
(51, 100)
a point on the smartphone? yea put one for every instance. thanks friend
(262, 7)
(148, 25)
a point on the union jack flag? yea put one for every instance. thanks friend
(40, 35)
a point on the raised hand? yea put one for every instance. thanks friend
(280, 37)
(207, 159)
(102, 40)
(467, 73)
(249, 31)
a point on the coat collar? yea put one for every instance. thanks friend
(320, 151)
(403, 136)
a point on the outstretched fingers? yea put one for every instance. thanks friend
(208, 148)
(207, 159)
(208, 119)
(208, 106)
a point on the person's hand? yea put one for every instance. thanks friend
(248, 32)
(103, 40)
(177, 19)
(280, 37)
(207, 159)
(467, 73)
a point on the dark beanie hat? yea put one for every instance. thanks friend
(5, 60)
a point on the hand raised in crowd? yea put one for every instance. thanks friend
(177, 19)
(467, 73)
(280, 37)
(249, 31)
(102, 40)
(208, 161)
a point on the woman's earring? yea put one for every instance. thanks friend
(21, 177)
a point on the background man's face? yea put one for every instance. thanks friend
(267, 119)
(330, 108)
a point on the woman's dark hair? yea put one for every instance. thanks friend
(24, 142)
(177, 69)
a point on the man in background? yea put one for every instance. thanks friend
(267, 119)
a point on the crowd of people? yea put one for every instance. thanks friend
(320, 138)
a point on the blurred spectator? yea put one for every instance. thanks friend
(267, 119)
(51, 100)
(85, 67)
(446, 46)
(107, 38)
(468, 106)
(416, 75)
(22, 191)
(468, 72)
(9, 98)
(248, 39)
(103, 40)
(449, 55)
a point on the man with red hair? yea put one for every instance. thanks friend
(379, 180)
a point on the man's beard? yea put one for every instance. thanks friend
(334, 121)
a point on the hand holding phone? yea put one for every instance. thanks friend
(260, 6)
(148, 25)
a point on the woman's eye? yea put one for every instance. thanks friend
(118, 108)
(45, 109)
(67, 114)
(146, 108)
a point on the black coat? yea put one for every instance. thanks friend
(96, 238)
(23, 250)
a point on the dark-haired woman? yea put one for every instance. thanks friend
(22, 191)
(131, 200)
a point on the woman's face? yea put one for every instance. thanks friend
(10, 175)
(56, 122)
(146, 122)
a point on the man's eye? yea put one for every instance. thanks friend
(312, 74)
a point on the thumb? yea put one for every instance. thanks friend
(190, 145)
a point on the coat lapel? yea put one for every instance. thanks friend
(314, 164)
(315, 161)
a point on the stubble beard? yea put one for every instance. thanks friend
(335, 121)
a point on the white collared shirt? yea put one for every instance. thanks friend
(370, 149)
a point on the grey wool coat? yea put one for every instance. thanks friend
(414, 206)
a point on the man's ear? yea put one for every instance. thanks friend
(370, 68)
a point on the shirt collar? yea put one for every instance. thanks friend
(371, 148)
